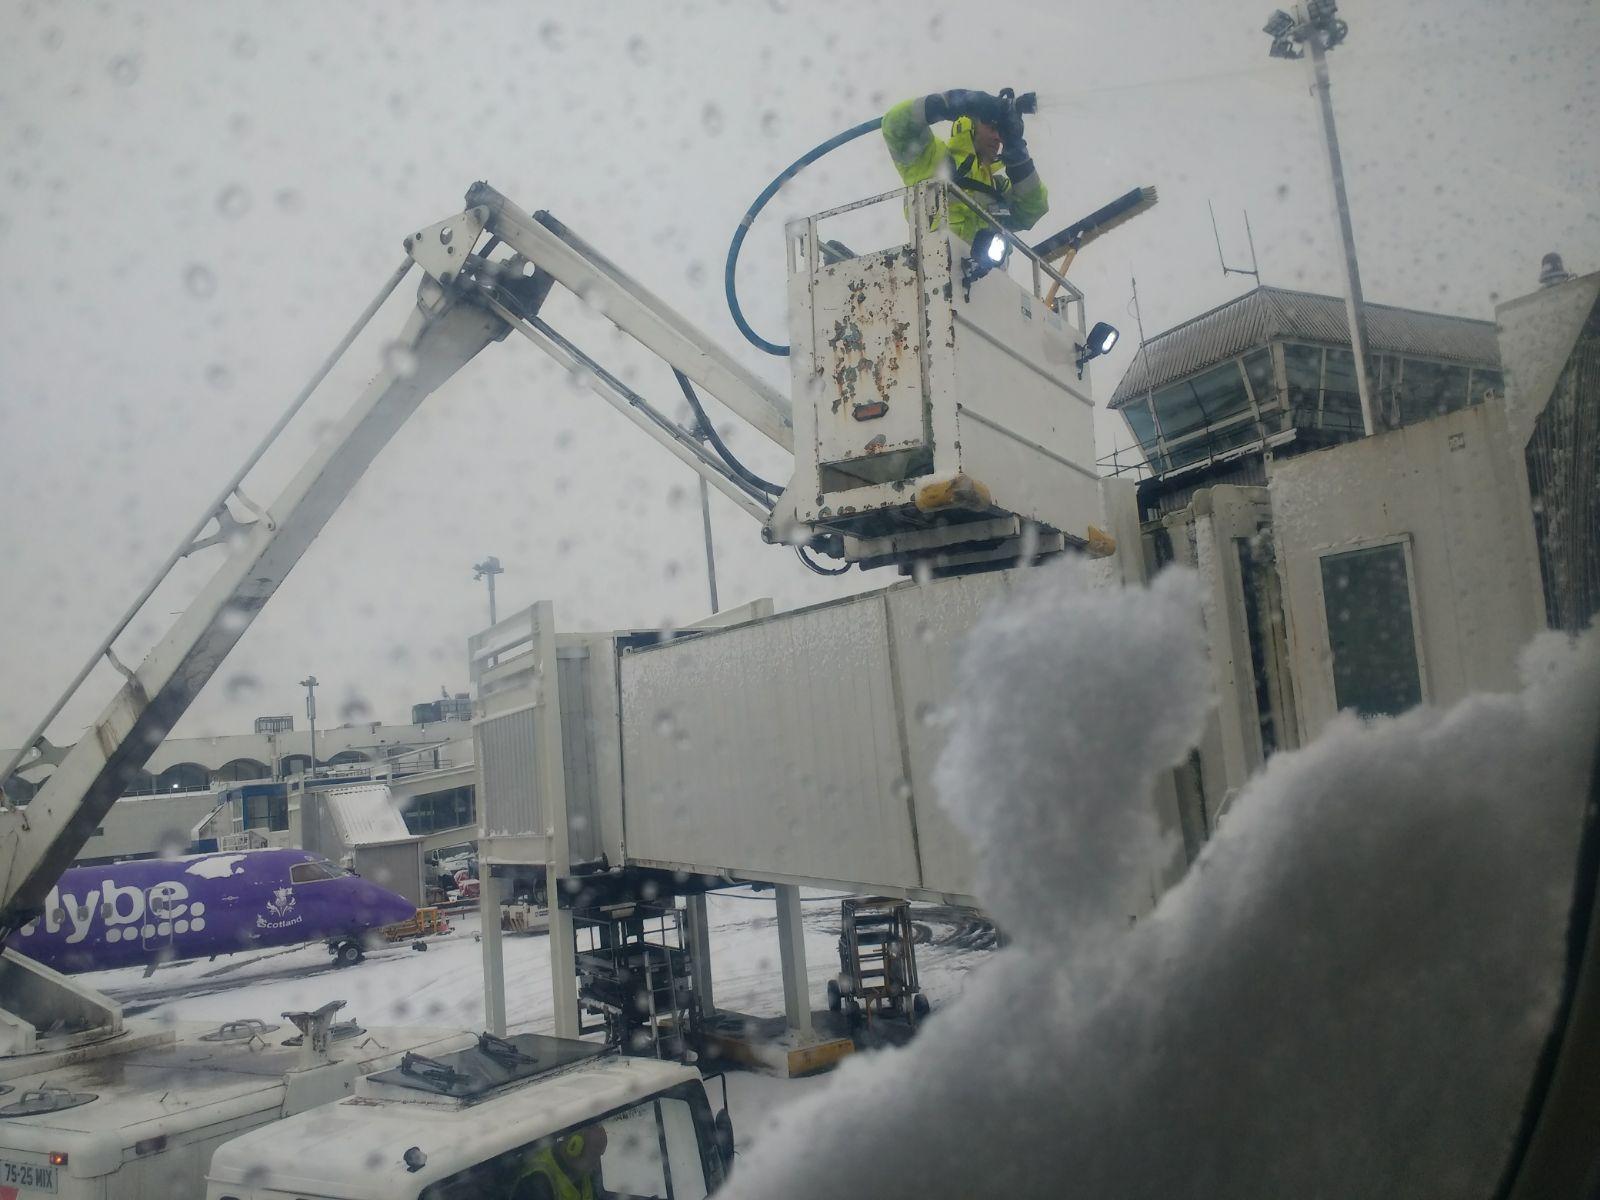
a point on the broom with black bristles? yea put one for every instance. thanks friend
(1080, 233)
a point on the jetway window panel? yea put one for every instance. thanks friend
(1263, 381)
(1302, 369)
(1208, 399)
(1143, 424)
(1216, 440)
(437, 811)
(1430, 389)
(1483, 382)
(1341, 394)
(510, 803)
(1372, 632)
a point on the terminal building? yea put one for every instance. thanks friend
(259, 789)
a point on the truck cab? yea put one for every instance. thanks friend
(474, 1122)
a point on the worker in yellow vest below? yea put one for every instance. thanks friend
(565, 1170)
(985, 156)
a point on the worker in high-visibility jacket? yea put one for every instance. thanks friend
(985, 156)
(564, 1171)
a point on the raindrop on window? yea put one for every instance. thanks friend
(288, 200)
(244, 46)
(550, 35)
(638, 50)
(218, 376)
(199, 281)
(400, 359)
(711, 119)
(696, 273)
(233, 201)
(922, 571)
(124, 70)
(51, 38)
(770, 123)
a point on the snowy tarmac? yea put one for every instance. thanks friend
(442, 986)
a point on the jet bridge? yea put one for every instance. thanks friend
(792, 749)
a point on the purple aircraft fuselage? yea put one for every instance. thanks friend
(162, 910)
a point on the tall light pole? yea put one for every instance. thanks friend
(711, 558)
(1321, 30)
(488, 569)
(310, 685)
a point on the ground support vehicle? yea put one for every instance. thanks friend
(466, 1125)
(139, 1115)
(877, 961)
(427, 923)
(635, 973)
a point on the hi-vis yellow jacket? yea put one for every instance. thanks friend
(919, 154)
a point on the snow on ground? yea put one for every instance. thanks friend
(442, 986)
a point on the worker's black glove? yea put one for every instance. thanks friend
(1014, 155)
(961, 102)
(1010, 126)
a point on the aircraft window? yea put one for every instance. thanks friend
(310, 872)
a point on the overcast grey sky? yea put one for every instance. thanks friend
(196, 201)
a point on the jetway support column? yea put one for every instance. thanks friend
(494, 966)
(792, 955)
(563, 959)
(700, 958)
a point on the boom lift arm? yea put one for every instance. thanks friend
(465, 302)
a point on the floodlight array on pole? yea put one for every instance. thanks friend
(1318, 32)
(310, 685)
(488, 569)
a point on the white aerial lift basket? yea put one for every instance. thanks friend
(951, 406)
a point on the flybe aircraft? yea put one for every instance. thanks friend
(153, 911)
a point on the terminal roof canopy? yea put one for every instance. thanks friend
(1275, 364)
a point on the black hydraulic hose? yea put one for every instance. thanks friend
(717, 444)
(767, 193)
(812, 564)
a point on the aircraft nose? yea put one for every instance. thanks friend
(390, 907)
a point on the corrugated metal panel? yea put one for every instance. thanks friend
(1268, 313)
(510, 802)
(577, 759)
(771, 747)
(927, 625)
(365, 815)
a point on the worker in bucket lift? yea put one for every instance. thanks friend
(986, 130)
(565, 1170)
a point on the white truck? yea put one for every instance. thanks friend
(138, 1115)
(470, 1123)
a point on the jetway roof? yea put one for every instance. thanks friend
(365, 815)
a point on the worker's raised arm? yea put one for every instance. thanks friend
(907, 127)
(1026, 197)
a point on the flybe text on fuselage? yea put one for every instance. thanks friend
(160, 910)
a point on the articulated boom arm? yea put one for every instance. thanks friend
(465, 302)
